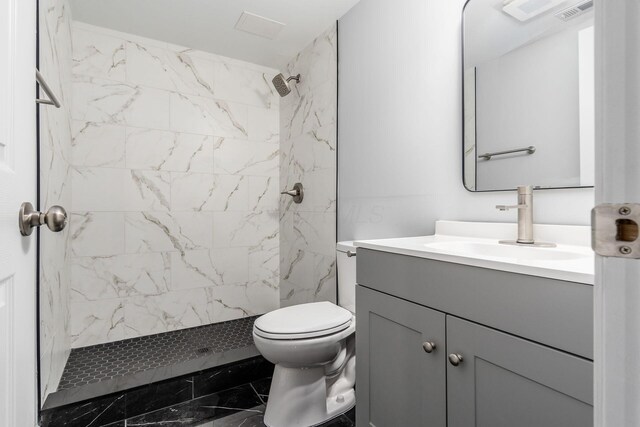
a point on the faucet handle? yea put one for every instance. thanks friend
(508, 207)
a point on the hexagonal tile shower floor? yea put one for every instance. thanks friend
(107, 368)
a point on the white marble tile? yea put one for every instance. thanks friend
(309, 152)
(205, 192)
(192, 191)
(55, 157)
(238, 157)
(264, 265)
(309, 277)
(97, 144)
(232, 302)
(317, 62)
(238, 229)
(169, 69)
(204, 268)
(206, 116)
(96, 322)
(263, 124)
(324, 278)
(99, 189)
(316, 231)
(309, 111)
(320, 191)
(264, 194)
(168, 232)
(97, 233)
(168, 151)
(148, 191)
(106, 277)
(98, 55)
(167, 312)
(244, 85)
(106, 101)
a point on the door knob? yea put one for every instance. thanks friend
(429, 346)
(297, 192)
(455, 359)
(29, 218)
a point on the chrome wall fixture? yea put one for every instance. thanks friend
(281, 83)
(487, 156)
(297, 192)
(53, 99)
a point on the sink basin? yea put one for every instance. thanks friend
(477, 244)
(497, 250)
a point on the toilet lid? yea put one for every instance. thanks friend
(316, 318)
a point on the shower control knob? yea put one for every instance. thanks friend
(429, 346)
(455, 359)
(28, 218)
(297, 192)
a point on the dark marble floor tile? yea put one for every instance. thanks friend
(215, 380)
(341, 421)
(351, 415)
(261, 387)
(251, 418)
(97, 412)
(201, 410)
(159, 395)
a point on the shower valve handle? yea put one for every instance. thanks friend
(297, 192)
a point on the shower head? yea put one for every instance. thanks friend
(282, 84)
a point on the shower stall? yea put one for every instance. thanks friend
(169, 162)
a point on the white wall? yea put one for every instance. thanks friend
(400, 127)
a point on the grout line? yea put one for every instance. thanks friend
(257, 394)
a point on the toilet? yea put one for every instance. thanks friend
(313, 349)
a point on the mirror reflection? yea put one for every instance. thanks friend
(528, 94)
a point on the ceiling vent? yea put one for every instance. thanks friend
(575, 10)
(259, 25)
(523, 10)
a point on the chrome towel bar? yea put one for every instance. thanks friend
(53, 99)
(487, 156)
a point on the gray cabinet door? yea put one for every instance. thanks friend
(505, 381)
(398, 382)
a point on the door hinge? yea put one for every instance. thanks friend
(614, 230)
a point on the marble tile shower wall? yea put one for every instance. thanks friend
(308, 155)
(175, 188)
(55, 154)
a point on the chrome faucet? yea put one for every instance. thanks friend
(525, 218)
(525, 214)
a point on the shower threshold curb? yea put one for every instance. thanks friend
(201, 350)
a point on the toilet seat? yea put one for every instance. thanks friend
(303, 321)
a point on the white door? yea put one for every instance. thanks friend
(17, 184)
(617, 296)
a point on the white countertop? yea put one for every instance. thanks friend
(571, 260)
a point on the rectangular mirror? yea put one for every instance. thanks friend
(528, 88)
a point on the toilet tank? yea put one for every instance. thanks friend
(346, 276)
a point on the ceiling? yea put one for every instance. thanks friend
(208, 25)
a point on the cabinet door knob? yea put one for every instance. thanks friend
(429, 346)
(455, 359)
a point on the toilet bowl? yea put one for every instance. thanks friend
(313, 349)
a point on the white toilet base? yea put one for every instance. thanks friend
(298, 398)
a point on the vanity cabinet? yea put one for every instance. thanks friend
(518, 337)
(507, 381)
(402, 380)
